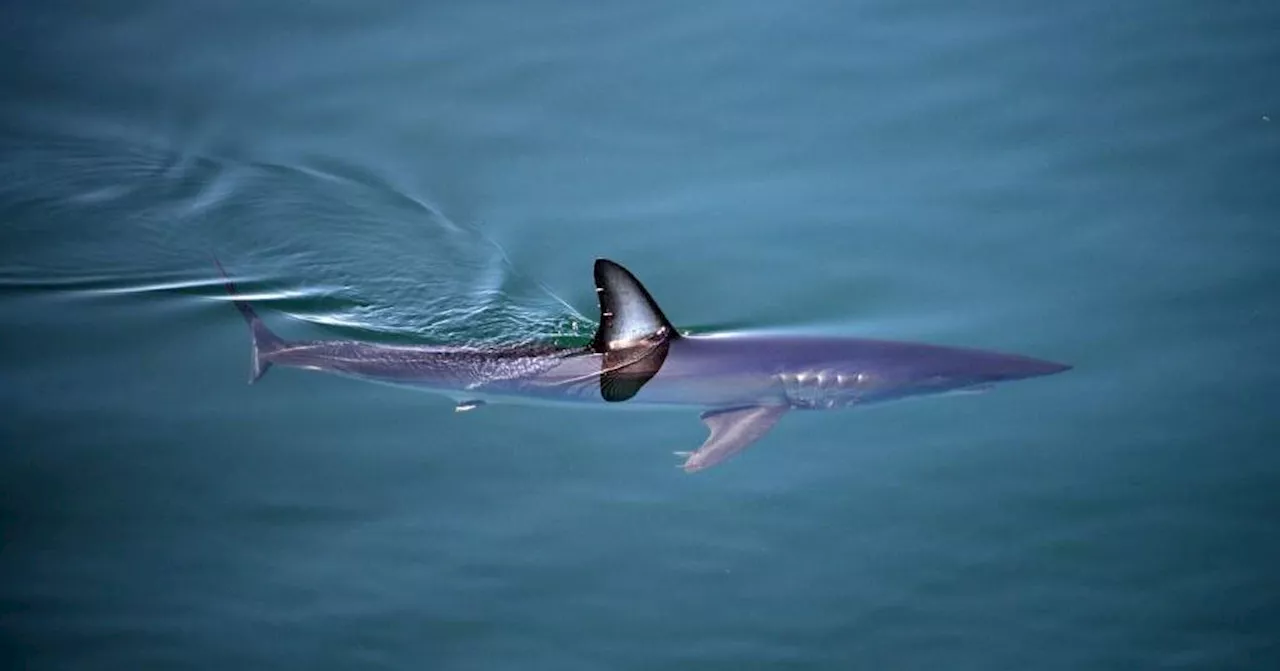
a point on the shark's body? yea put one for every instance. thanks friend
(742, 383)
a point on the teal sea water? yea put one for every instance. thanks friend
(1094, 182)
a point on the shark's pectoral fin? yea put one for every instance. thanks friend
(731, 431)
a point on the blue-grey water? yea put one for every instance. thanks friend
(1092, 182)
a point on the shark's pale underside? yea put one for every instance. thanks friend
(743, 384)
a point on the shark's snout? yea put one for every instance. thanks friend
(1018, 368)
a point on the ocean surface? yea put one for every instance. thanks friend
(1092, 182)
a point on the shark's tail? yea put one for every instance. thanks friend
(264, 341)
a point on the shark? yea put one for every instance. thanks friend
(742, 384)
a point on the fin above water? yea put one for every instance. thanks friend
(732, 431)
(634, 335)
(628, 314)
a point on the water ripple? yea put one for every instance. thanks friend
(330, 242)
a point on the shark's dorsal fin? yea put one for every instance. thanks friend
(633, 336)
(628, 314)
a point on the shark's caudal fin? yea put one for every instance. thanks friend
(633, 336)
(264, 341)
